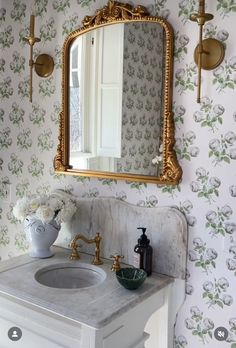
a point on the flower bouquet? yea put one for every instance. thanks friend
(42, 216)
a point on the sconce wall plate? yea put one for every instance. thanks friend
(44, 65)
(214, 54)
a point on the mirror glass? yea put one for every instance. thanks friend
(116, 120)
(115, 98)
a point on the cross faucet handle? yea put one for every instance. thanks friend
(116, 264)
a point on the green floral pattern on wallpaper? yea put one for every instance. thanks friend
(142, 92)
(205, 145)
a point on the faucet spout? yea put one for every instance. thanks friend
(96, 240)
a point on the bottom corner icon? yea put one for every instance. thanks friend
(14, 333)
(221, 333)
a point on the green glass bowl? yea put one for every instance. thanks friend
(131, 278)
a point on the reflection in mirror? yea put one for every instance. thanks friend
(118, 127)
(116, 120)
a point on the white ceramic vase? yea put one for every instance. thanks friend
(41, 236)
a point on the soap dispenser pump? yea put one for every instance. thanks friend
(143, 253)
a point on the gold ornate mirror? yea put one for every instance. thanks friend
(116, 120)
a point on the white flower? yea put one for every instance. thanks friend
(201, 172)
(182, 341)
(231, 264)
(223, 283)
(45, 208)
(219, 109)
(20, 209)
(189, 289)
(67, 211)
(208, 324)
(222, 35)
(232, 63)
(214, 182)
(232, 190)
(198, 116)
(191, 220)
(45, 213)
(214, 144)
(207, 285)
(180, 110)
(194, 151)
(227, 299)
(232, 250)
(184, 40)
(211, 216)
(197, 242)
(157, 159)
(195, 311)
(226, 210)
(232, 323)
(230, 137)
(192, 255)
(180, 73)
(211, 254)
(230, 227)
(232, 153)
(205, 101)
(218, 71)
(195, 187)
(190, 324)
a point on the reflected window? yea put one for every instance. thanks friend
(75, 100)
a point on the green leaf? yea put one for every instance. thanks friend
(213, 264)
(210, 333)
(195, 332)
(226, 159)
(210, 296)
(204, 294)
(220, 304)
(233, 345)
(187, 157)
(198, 264)
(191, 87)
(230, 85)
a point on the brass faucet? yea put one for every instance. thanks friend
(97, 239)
(116, 263)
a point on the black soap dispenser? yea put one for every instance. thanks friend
(143, 253)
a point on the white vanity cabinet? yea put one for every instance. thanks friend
(42, 328)
(103, 316)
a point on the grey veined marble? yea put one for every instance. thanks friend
(117, 222)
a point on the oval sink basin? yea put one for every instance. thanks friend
(70, 275)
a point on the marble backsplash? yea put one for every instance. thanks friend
(117, 222)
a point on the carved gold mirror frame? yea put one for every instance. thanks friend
(115, 12)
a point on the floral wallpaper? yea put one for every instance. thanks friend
(206, 147)
(141, 100)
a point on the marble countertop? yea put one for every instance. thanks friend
(95, 306)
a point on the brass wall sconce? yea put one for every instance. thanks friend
(210, 52)
(43, 64)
